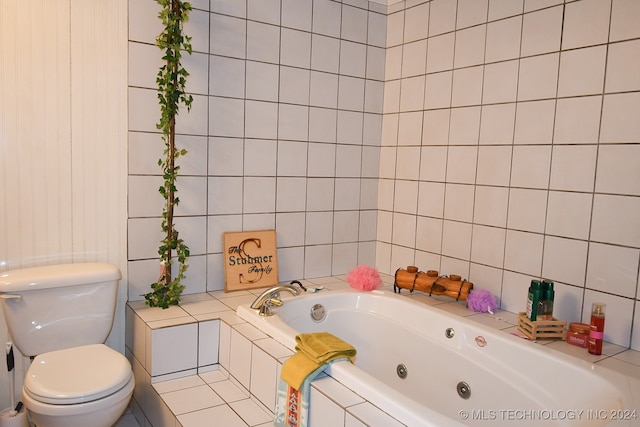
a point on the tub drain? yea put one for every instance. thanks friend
(401, 370)
(318, 313)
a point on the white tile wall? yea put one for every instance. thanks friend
(504, 121)
(541, 87)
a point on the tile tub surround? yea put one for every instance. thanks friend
(200, 362)
(490, 138)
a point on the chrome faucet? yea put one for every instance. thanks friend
(271, 298)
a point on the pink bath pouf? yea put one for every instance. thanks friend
(482, 301)
(364, 278)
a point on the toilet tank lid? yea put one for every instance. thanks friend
(53, 276)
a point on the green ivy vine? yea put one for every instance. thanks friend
(171, 80)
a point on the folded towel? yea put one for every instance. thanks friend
(292, 405)
(313, 351)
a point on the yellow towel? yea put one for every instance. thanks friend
(314, 350)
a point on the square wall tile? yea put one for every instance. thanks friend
(534, 122)
(467, 86)
(500, 82)
(416, 25)
(259, 194)
(527, 209)
(262, 81)
(612, 269)
(225, 156)
(531, 166)
(541, 31)
(164, 341)
(538, 77)
(564, 260)
(568, 214)
(462, 163)
(429, 234)
(264, 377)
(226, 117)
(291, 158)
(406, 196)
(471, 12)
(440, 53)
(458, 202)
(297, 14)
(619, 124)
(624, 17)
(623, 67)
(354, 24)
(464, 126)
(503, 39)
(347, 194)
(325, 54)
(263, 42)
(488, 245)
(469, 46)
(351, 93)
(240, 358)
(412, 93)
(260, 120)
(317, 261)
(264, 11)
(295, 48)
(503, 8)
(324, 18)
(431, 199)
(577, 120)
(353, 59)
(497, 124)
(490, 206)
(438, 90)
(414, 57)
(616, 219)
(523, 254)
(229, 7)
(589, 65)
(494, 165)
(573, 167)
(228, 36)
(208, 342)
(586, 23)
(228, 189)
(442, 17)
(324, 411)
(435, 127)
(404, 229)
(618, 169)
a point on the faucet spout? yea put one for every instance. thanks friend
(271, 297)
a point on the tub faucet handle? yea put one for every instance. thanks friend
(271, 298)
(265, 308)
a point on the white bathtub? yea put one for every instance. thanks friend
(512, 381)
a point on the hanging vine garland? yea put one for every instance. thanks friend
(171, 80)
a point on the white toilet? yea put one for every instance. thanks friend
(62, 315)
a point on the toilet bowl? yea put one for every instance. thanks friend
(87, 386)
(61, 315)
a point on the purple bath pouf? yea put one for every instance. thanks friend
(482, 301)
(364, 278)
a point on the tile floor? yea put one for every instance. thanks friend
(216, 395)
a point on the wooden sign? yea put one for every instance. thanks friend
(250, 260)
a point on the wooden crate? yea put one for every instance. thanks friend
(542, 329)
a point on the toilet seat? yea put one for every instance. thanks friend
(77, 375)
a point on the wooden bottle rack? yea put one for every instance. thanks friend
(431, 282)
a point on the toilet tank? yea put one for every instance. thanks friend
(59, 306)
